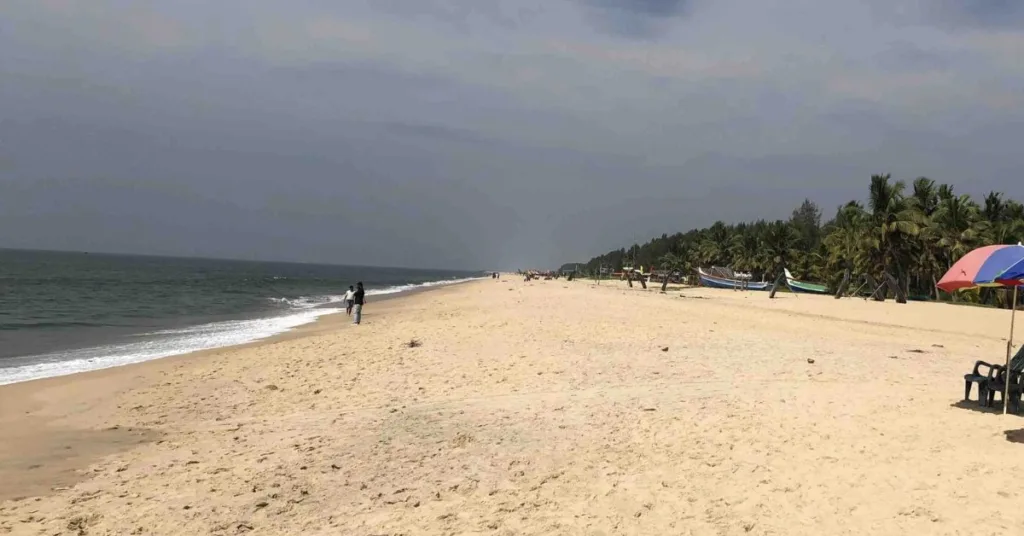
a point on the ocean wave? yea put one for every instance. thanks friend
(50, 325)
(166, 343)
(307, 302)
(405, 288)
(159, 344)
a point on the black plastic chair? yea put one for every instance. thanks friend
(998, 385)
(990, 380)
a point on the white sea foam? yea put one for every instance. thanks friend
(158, 344)
(429, 284)
(306, 302)
(170, 342)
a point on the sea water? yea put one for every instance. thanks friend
(62, 313)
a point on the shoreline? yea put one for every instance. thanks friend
(248, 318)
(42, 432)
(612, 410)
(320, 324)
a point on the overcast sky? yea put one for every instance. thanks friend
(483, 133)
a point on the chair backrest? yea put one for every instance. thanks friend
(1017, 362)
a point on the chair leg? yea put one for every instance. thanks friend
(967, 390)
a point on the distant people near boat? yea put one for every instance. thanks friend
(360, 299)
(350, 296)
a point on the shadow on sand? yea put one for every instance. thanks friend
(972, 405)
(1013, 436)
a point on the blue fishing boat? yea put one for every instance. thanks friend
(715, 281)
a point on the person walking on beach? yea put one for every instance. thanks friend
(359, 298)
(350, 296)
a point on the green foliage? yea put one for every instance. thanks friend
(914, 235)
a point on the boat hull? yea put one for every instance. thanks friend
(708, 280)
(808, 288)
(801, 286)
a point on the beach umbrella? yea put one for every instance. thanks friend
(984, 267)
(1013, 273)
(990, 266)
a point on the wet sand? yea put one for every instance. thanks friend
(535, 408)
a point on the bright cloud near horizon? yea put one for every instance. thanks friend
(483, 134)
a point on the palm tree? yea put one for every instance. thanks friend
(1013, 210)
(894, 221)
(945, 191)
(743, 248)
(714, 247)
(1005, 218)
(779, 244)
(995, 208)
(958, 226)
(669, 264)
(1011, 229)
(847, 241)
(923, 253)
(1007, 232)
(926, 259)
(926, 196)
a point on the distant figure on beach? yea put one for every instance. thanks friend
(350, 296)
(359, 298)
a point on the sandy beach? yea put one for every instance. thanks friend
(548, 407)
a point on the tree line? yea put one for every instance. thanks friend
(915, 234)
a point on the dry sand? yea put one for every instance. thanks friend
(536, 408)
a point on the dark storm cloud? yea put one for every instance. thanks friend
(464, 16)
(650, 8)
(986, 13)
(637, 18)
(478, 134)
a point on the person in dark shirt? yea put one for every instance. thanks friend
(359, 298)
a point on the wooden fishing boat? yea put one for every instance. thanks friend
(803, 286)
(708, 280)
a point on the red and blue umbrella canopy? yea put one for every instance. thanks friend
(1014, 273)
(989, 266)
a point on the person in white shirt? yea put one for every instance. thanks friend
(350, 298)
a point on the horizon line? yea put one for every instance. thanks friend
(229, 259)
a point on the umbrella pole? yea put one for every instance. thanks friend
(1009, 349)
